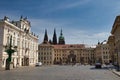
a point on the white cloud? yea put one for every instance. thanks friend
(66, 5)
(73, 4)
(90, 38)
(101, 35)
(72, 35)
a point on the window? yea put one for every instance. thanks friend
(44, 58)
(18, 43)
(13, 41)
(44, 53)
(8, 40)
(41, 53)
(41, 58)
(50, 57)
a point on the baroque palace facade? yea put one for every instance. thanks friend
(22, 37)
(103, 52)
(53, 52)
(114, 42)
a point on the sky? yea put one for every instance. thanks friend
(82, 21)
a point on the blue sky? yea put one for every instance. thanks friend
(82, 21)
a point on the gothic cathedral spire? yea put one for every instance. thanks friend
(45, 37)
(54, 37)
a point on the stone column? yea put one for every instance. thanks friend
(20, 61)
(0, 63)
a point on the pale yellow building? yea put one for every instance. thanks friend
(111, 42)
(60, 53)
(46, 54)
(22, 37)
(66, 54)
(89, 55)
(102, 53)
(116, 33)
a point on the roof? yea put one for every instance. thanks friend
(69, 46)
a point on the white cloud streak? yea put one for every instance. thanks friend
(73, 4)
(66, 5)
(72, 36)
(90, 38)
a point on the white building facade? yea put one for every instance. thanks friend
(22, 37)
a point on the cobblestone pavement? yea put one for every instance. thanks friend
(59, 73)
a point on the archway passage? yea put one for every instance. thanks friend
(71, 58)
(25, 61)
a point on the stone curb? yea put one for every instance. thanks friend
(116, 73)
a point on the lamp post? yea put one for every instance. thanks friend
(9, 50)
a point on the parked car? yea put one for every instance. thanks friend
(98, 65)
(38, 64)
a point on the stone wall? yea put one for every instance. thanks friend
(1, 43)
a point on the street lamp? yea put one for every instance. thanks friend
(9, 50)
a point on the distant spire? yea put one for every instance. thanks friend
(61, 38)
(21, 17)
(6, 18)
(54, 37)
(98, 42)
(61, 33)
(45, 37)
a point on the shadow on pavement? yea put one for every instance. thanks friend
(103, 68)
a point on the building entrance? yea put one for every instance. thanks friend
(25, 61)
(71, 58)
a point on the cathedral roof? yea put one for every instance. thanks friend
(61, 35)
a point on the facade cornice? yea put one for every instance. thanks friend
(116, 24)
(11, 25)
(18, 29)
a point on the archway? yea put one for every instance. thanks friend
(71, 58)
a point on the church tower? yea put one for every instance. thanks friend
(61, 38)
(45, 37)
(54, 38)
